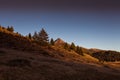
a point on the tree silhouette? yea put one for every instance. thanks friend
(52, 41)
(29, 36)
(11, 29)
(79, 50)
(66, 46)
(35, 37)
(43, 36)
(72, 46)
(108, 56)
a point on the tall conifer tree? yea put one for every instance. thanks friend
(43, 36)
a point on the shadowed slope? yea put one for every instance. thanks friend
(48, 68)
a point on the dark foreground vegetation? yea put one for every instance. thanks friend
(19, 65)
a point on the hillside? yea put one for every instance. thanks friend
(22, 58)
(19, 65)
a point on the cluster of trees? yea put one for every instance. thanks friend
(69, 47)
(11, 39)
(75, 48)
(40, 38)
(9, 28)
(108, 56)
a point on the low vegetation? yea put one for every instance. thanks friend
(108, 56)
(20, 66)
(18, 63)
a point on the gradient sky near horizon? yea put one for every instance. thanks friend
(87, 23)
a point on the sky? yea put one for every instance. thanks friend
(87, 23)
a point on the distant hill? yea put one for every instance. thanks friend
(59, 42)
(93, 50)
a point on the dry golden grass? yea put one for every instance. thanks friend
(42, 67)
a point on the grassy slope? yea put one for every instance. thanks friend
(35, 66)
(48, 63)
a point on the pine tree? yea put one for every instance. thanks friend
(29, 36)
(35, 37)
(11, 29)
(66, 46)
(79, 50)
(43, 36)
(72, 46)
(52, 41)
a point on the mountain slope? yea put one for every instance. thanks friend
(18, 65)
(23, 59)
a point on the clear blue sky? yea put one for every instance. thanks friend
(90, 28)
